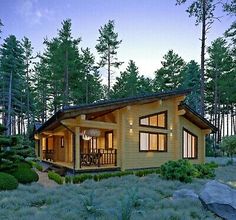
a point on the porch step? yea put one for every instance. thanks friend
(57, 169)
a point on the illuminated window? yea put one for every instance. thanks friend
(189, 145)
(109, 140)
(152, 141)
(158, 120)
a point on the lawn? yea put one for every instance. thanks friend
(127, 197)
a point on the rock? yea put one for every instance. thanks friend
(220, 199)
(185, 193)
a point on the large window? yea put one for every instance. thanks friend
(189, 145)
(158, 120)
(149, 141)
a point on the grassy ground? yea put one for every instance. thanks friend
(128, 197)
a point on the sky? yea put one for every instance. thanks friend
(147, 28)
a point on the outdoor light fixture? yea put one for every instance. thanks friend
(171, 131)
(130, 127)
(85, 137)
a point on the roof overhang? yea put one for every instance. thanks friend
(196, 118)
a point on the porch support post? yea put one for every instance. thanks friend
(41, 147)
(77, 148)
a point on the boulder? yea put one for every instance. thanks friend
(220, 199)
(185, 193)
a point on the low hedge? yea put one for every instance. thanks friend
(7, 182)
(97, 177)
(36, 165)
(56, 177)
(25, 175)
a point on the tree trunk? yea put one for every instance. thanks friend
(203, 41)
(66, 81)
(9, 106)
(109, 73)
(28, 101)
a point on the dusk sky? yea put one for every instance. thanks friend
(148, 28)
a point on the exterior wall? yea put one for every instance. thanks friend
(131, 156)
(184, 123)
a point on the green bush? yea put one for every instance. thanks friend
(25, 175)
(228, 145)
(212, 164)
(204, 171)
(7, 182)
(81, 178)
(68, 179)
(146, 172)
(36, 165)
(181, 170)
(56, 177)
(24, 165)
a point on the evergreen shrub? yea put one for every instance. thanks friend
(7, 182)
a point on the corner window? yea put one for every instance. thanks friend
(152, 142)
(189, 145)
(158, 120)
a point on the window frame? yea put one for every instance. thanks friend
(156, 133)
(107, 141)
(154, 114)
(196, 144)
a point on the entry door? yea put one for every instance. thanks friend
(89, 146)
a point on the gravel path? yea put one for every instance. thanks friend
(45, 181)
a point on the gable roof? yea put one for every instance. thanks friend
(104, 107)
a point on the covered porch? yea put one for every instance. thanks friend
(72, 146)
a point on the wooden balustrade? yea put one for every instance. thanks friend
(99, 158)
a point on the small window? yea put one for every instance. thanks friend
(152, 141)
(158, 120)
(189, 145)
(109, 140)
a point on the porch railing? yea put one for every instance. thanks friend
(99, 158)
(48, 154)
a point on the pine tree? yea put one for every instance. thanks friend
(169, 76)
(7, 157)
(12, 84)
(130, 83)
(0, 27)
(28, 56)
(219, 66)
(203, 11)
(107, 46)
(191, 80)
(127, 84)
(91, 84)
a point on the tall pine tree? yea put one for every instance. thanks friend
(107, 46)
(169, 76)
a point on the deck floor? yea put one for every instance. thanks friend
(83, 168)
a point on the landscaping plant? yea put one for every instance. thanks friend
(7, 182)
(56, 177)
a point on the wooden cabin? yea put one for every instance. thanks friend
(131, 133)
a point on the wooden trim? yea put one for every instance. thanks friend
(157, 133)
(196, 144)
(155, 114)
